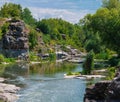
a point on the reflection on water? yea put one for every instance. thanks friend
(45, 82)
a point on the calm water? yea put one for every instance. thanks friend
(46, 83)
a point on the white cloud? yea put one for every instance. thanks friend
(67, 15)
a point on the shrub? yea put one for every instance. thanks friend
(52, 57)
(2, 59)
(88, 65)
(102, 55)
(110, 73)
(114, 61)
(69, 73)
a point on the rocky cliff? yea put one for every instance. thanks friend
(105, 91)
(15, 41)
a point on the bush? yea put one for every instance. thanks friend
(2, 58)
(102, 55)
(69, 73)
(33, 57)
(9, 59)
(88, 65)
(52, 57)
(111, 73)
(114, 61)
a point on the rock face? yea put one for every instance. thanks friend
(15, 40)
(96, 92)
(106, 91)
(113, 91)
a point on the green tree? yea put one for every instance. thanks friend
(43, 26)
(110, 4)
(89, 63)
(106, 23)
(33, 39)
(11, 10)
(59, 31)
(27, 17)
(93, 43)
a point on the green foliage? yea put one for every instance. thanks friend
(52, 57)
(110, 4)
(61, 31)
(93, 42)
(9, 60)
(43, 26)
(105, 55)
(27, 17)
(4, 28)
(110, 73)
(102, 55)
(33, 57)
(2, 58)
(10, 10)
(106, 22)
(114, 61)
(69, 73)
(33, 38)
(88, 65)
(73, 73)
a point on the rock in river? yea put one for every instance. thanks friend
(8, 92)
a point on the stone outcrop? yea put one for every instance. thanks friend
(96, 92)
(15, 40)
(113, 91)
(105, 91)
(8, 92)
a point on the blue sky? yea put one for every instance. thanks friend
(70, 10)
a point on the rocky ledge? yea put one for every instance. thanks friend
(104, 91)
(8, 92)
(15, 40)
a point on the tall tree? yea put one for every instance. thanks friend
(89, 63)
(106, 22)
(111, 4)
(27, 17)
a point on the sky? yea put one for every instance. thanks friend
(69, 10)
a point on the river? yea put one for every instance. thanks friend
(46, 82)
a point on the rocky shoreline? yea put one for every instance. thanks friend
(104, 91)
(8, 92)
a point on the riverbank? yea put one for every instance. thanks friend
(8, 92)
(107, 91)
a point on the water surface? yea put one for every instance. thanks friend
(46, 82)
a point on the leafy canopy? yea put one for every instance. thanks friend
(106, 22)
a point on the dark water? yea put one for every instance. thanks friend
(46, 83)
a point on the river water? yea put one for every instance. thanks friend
(46, 82)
